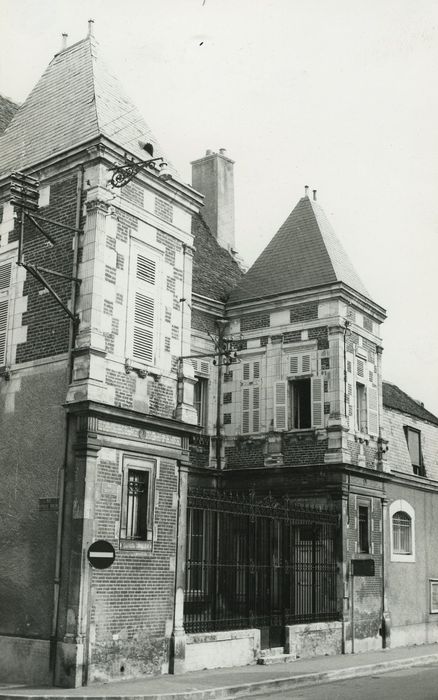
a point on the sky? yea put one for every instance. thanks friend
(338, 95)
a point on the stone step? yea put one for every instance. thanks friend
(276, 659)
(273, 651)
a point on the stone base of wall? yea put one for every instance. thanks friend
(221, 649)
(25, 661)
(317, 639)
(407, 635)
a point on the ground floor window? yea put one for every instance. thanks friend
(137, 514)
(402, 523)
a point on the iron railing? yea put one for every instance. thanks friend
(258, 562)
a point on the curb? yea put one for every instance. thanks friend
(249, 689)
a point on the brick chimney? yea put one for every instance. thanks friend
(213, 176)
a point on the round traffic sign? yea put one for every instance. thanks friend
(101, 554)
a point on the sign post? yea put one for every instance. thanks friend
(101, 554)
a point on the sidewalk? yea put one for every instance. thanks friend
(242, 681)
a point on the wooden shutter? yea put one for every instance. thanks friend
(3, 328)
(245, 410)
(373, 423)
(246, 371)
(293, 364)
(317, 402)
(256, 370)
(256, 409)
(143, 334)
(143, 309)
(5, 281)
(280, 405)
(305, 364)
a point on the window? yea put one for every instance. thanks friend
(413, 439)
(5, 286)
(136, 527)
(361, 408)
(363, 527)
(200, 400)
(433, 596)
(143, 338)
(300, 404)
(401, 533)
(402, 520)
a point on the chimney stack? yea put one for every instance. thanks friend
(64, 41)
(314, 195)
(213, 177)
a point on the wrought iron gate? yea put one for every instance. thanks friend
(255, 562)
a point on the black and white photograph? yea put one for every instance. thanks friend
(218, 349)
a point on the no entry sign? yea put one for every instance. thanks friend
(101, 554)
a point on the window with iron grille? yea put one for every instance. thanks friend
(136, 526)
(401, 533)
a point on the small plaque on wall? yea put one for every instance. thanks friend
(362, 567)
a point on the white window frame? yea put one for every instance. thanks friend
(395, 507)
(151, 466)
(433, 583)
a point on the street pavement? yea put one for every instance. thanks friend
(243, 681)
(417, 683)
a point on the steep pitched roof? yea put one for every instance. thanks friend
(7, 111)
(76, 99)
(395, 398)
(305, 252)
(215, 272)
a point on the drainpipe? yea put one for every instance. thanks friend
(386, 620)
(61, 485)
(221, 324)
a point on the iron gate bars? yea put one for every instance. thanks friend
(258, 562)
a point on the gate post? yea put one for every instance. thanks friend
(178, 638)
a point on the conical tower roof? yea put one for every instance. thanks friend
(77, 99)
(304, 253)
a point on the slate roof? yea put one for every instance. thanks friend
(76, 99)
(215, 272)
(7, 111)
(305, 252)
(395, 398)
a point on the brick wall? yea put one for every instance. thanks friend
(304, 449)
(31, 457)
(47, 323)
(245, 454)
(368, 589)
(254, 321)
(133, 600)
(304, 312)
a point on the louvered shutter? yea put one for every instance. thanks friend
(280, 405)
(305, 364)
(256, 370)
(373, 423)
(317, 402)
(5, 281)
(143, 335)
(143, 309)
(293, 364)
(256, 409)
(245, 410)
(246, 371)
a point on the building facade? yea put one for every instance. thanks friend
(229, 435)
